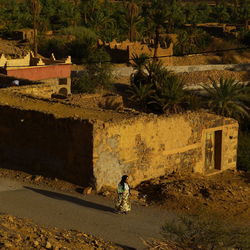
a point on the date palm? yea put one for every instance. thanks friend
(132, 19)
(170, 94)
(159, 17)
(141, 94)
(139, 63)
(228, 97)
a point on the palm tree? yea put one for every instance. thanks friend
(228, 97)
(139, 63)
(36, 9)
(156, 72)
(99, 21)
(132, 18)
(159, 17)
(170, 94)
(141, 94)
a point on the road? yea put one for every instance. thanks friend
(90, 214)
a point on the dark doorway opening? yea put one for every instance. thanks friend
(217, 149)
(213, 150)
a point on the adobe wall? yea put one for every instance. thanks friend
(152, 146)
(124, 51)
(43, 144)
(36, 90)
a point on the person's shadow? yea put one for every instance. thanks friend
(72, 199)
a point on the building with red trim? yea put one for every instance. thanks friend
(45, 70)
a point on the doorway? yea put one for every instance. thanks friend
(213, 150)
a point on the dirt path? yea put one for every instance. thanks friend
(90, 214)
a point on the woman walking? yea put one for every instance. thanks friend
(123, 204)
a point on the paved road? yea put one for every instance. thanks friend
(90, 214)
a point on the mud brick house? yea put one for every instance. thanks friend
(124, 51)
(56, 73)
(96, 147)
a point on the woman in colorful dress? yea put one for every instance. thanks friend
(123, 205)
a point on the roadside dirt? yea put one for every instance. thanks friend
(16, 233)
(227, 193)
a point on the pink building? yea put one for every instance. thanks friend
(51, 71)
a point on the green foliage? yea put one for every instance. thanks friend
(141, 94)
(170, 94)
(96, 77)
(206, 231)
(156, 89)
(57, 46)
(191, 41)
(83, 42)
(244, 37)
(228, 97)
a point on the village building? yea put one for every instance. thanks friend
(96, 147)
(124, 51)
(53, 72)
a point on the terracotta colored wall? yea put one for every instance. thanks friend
(37, 73)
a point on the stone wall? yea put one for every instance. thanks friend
(149, 147)
(42, 144)
(37, 90)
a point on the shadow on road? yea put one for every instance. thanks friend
(72, 199)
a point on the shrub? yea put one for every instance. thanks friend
(156, 89)
(55, 45)
(83, 43)
(206, 231)
(97, 77)
(244, 37)
(192, 41)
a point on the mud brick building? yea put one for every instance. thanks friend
(96, 147)
(124, 51)
(56, 73)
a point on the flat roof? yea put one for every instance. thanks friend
(59, 110)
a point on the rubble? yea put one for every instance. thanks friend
(16, 233)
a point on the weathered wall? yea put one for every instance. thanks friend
(149, 147)
(36, 90)
(42, 144)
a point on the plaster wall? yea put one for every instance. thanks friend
(149, 147)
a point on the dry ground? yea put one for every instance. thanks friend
(227, 193)
(16, 233)
(12, 48)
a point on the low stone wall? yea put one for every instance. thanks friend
(38, 90)
(195, 68)
(42, 144)
(149, 147)
(127, 71)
